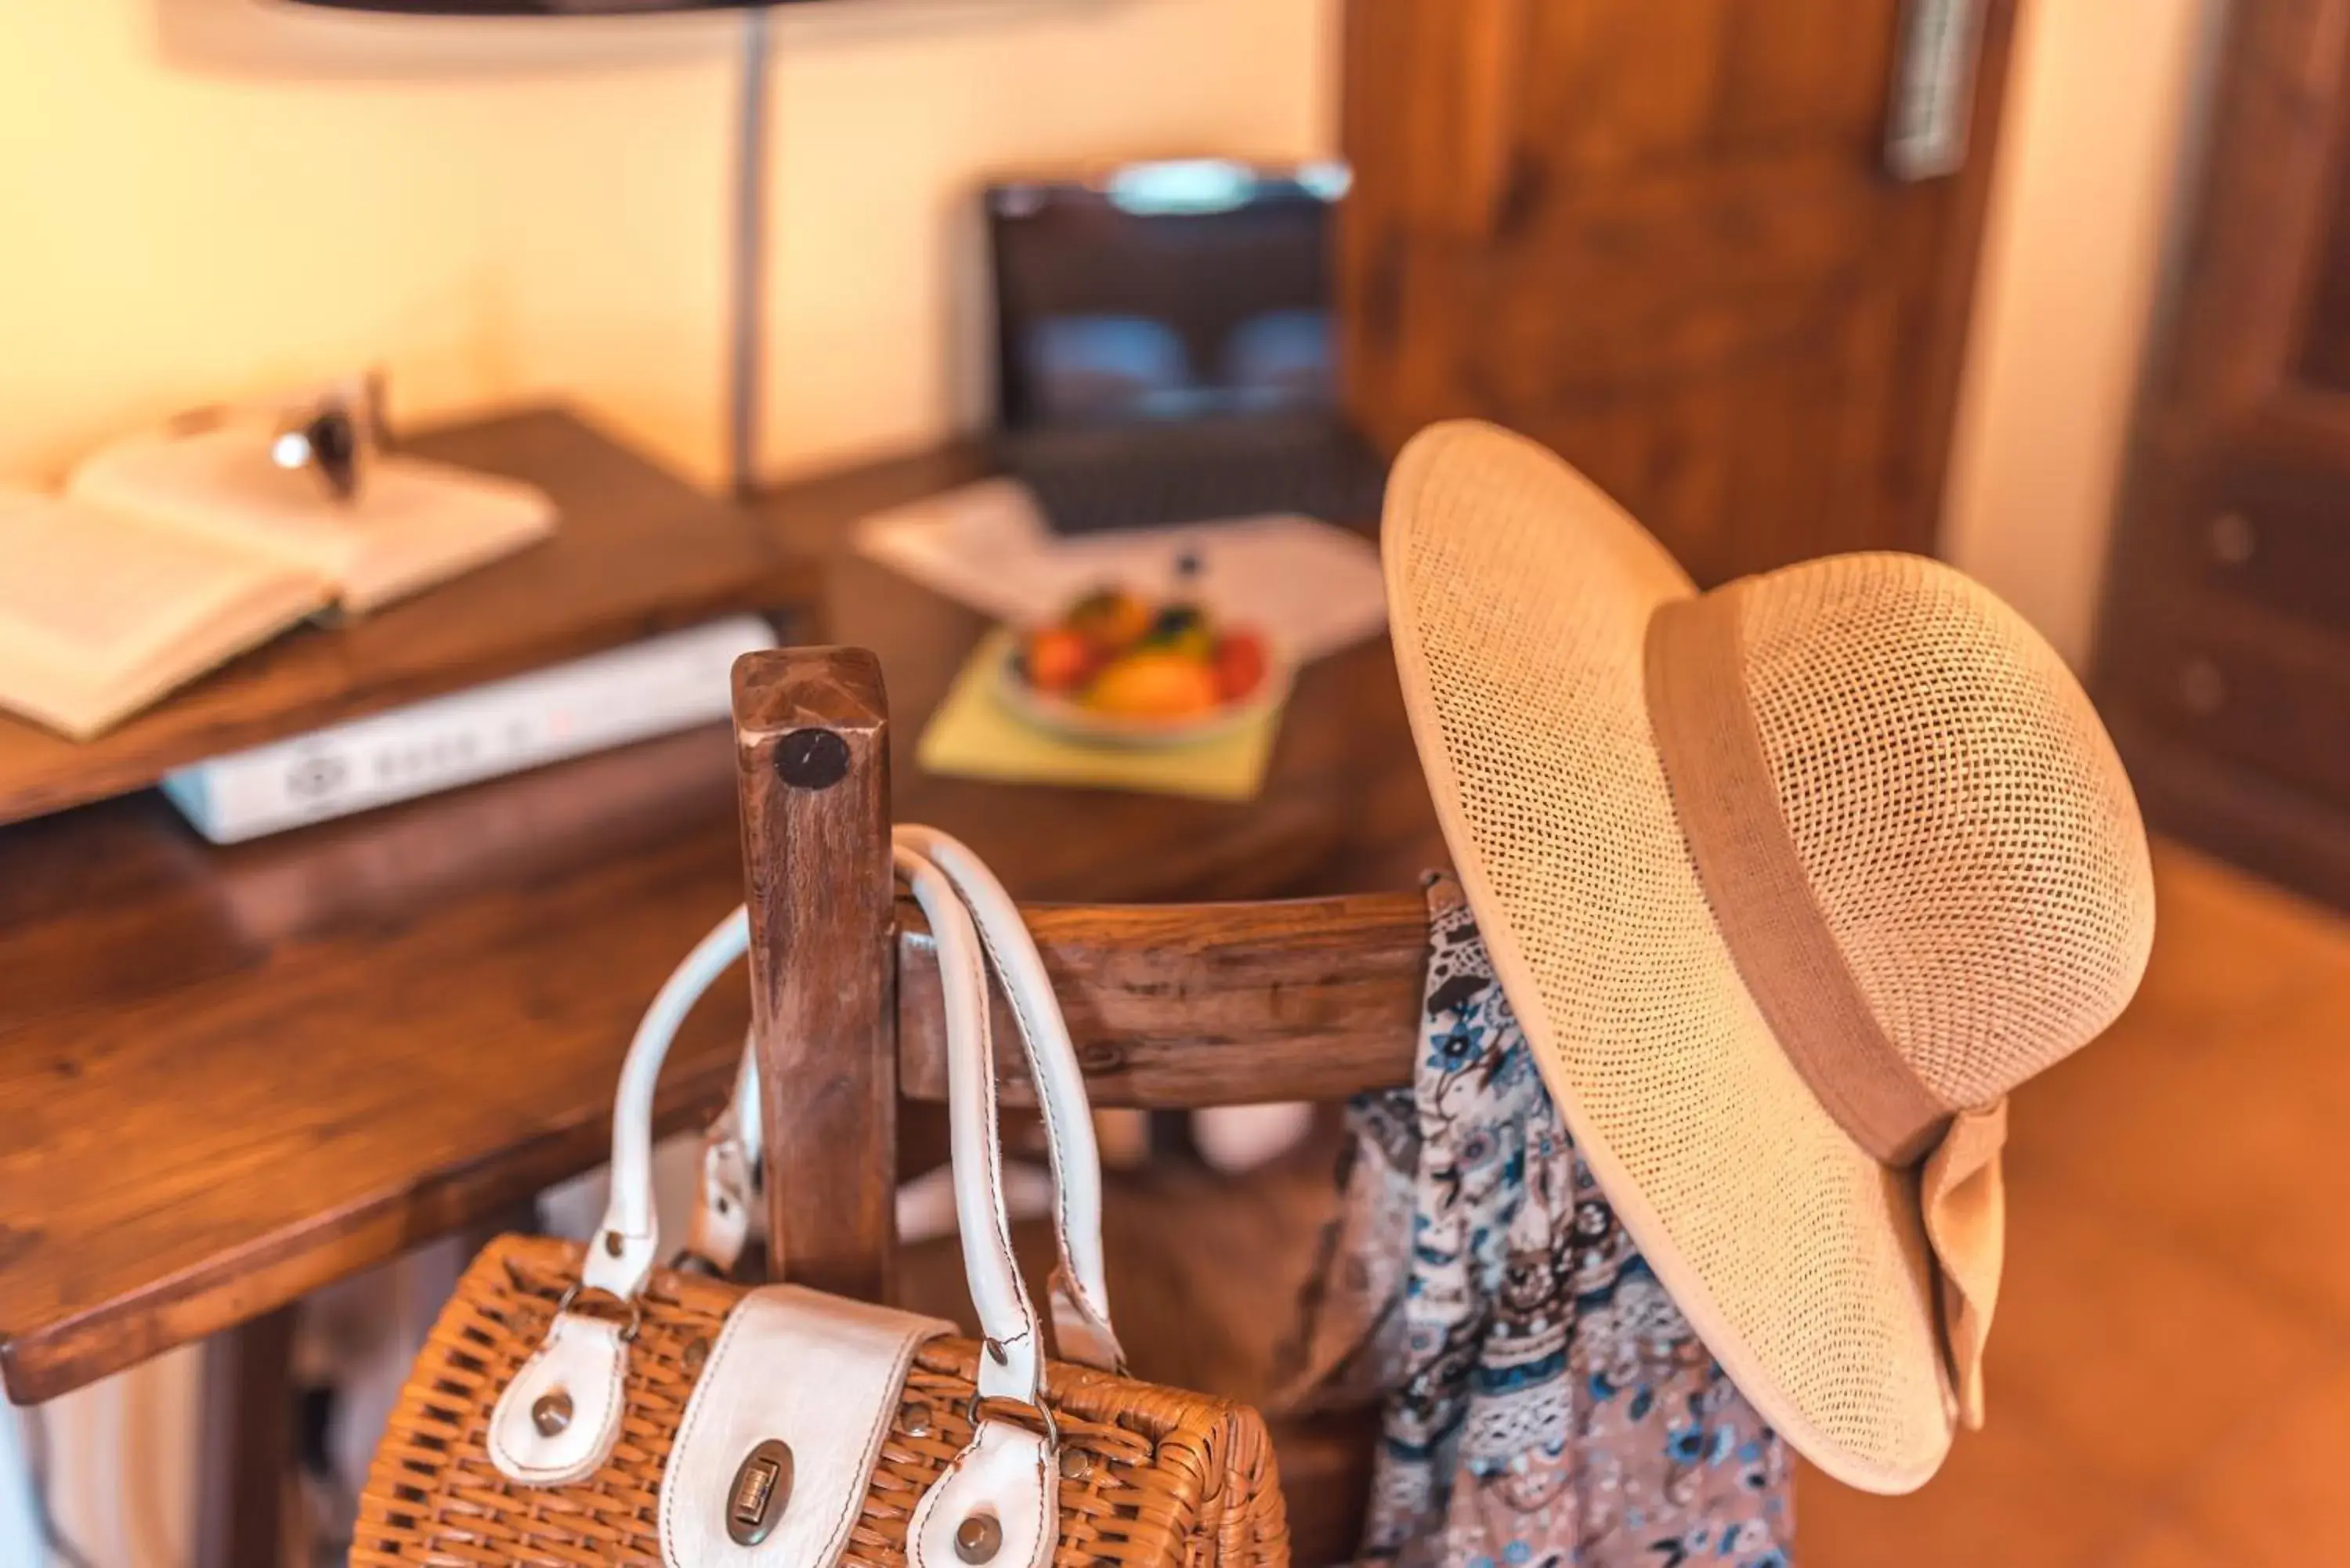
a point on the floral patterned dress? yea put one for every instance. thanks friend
(1545, 1403)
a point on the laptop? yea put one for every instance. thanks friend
(1166, 348)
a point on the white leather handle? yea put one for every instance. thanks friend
(1008, 1474)
(972, 920)
(558, 1417)
(1080, 1294)
(1013, 1365)
(627, 1243)
(1080, 1289)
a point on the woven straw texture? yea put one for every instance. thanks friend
(1150, 1476)
(1961, 818)
(1969, 835)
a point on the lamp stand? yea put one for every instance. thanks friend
(749, 258)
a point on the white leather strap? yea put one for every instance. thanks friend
(818, 1374)
(1008, 1475)
(1080, 1298)
(1005, 1484)
(1012, 1365)
(556, 1420)
(726, 1197)
(723, 1198)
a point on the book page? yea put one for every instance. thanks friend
(104, 590)
(94, 607)
(412, 524)
(422, 522)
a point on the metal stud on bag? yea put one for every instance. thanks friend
(551, 1413)
(978, 1538)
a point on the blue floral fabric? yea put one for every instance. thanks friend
(1544, 1404)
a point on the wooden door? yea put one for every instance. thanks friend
(2223, 651)
(1659, 236)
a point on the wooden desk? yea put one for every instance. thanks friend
(231, 1076)
(637, 551)
(1343, 809)
(234, 1074)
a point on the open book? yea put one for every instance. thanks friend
(166, 557)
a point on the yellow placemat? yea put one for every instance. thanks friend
(973, 735)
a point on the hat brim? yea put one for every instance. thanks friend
(1519, 597)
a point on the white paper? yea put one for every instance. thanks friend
(1311, 587)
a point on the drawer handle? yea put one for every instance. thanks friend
(2232, 539)
(2202, 688)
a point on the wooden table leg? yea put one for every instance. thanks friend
(246, 1463)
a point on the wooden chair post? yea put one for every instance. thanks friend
(811, 728)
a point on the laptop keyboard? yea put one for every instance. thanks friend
(1138, 488)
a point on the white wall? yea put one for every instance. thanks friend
(202, 198)
(2088, 160)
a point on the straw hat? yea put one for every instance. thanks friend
(1789, 884)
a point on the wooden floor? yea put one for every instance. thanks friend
(2169, 1370)
(2169, 1373)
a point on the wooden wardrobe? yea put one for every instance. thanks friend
(2223, 652)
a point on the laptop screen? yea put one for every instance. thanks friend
(1164, 292)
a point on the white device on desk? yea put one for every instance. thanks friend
(650, 688)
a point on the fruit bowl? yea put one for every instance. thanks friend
(1116, 671)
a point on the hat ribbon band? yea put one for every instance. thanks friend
(1794, 969)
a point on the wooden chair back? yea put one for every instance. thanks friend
(1170, 1006)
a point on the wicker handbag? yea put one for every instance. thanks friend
(575, 1407)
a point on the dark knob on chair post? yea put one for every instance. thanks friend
(811, 758)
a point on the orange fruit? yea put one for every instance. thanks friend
(1111, 619)
(1152, 685)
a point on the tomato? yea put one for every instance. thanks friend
(1057, 659)
(1240, 664)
